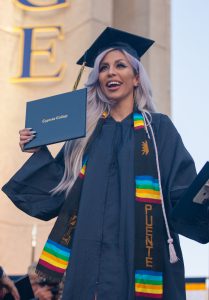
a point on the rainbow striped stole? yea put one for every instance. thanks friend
(138, 121)
(83, 169)
(148, 231)
(148, 284)
(147, 189)
(55, 257)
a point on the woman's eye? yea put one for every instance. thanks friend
(103, 68)
(121, 65)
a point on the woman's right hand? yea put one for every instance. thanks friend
(26, 135)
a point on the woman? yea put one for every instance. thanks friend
(122, 249)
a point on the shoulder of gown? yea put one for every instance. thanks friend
(30, 188)
(177, 173)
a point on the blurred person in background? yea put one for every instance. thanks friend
(42, 289)
(7, 286)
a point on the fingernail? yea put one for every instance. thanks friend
(30, 139)
(29, 128)
(34, 132)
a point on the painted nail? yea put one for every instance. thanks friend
(33, 132)
(29, 128)
(30, 139)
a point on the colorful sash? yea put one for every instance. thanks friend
(148, 217)
(148, 220)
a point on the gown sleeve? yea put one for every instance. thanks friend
(29, 189)
(177, 173)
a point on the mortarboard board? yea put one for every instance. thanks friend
(111, 37)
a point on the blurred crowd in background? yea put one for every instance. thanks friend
(42, 289)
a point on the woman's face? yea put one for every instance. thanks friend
(116, 76)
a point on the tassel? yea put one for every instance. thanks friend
(79, 76)
(172, 252)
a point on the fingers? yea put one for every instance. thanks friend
(3, 292)
(27, 135)
(10, 286)
(15, 293)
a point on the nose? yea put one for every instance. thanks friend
(111, 71)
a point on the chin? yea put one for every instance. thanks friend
(111, 102)
(113, 98)
(114, 101)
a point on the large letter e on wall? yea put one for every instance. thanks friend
(35, 5)
(30, 54)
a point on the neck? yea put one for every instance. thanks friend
(121, 110)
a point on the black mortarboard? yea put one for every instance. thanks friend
(111, 37)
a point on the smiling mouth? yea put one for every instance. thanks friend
(113, 84)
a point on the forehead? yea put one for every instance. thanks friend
(114, 55)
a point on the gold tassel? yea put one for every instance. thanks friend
(79, 76)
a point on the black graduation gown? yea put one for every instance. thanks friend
(102, 259)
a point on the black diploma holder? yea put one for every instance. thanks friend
(193, 207)
(57, 118)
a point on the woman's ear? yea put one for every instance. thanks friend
(137, 81)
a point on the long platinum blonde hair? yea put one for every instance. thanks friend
(97, 103)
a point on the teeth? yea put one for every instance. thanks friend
(113, 83)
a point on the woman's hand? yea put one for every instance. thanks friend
(26, 135)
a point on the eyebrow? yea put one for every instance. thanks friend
(118, 60)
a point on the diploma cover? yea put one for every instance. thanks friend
(196, 197)
(57, 118)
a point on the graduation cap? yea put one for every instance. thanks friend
(113, 38)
